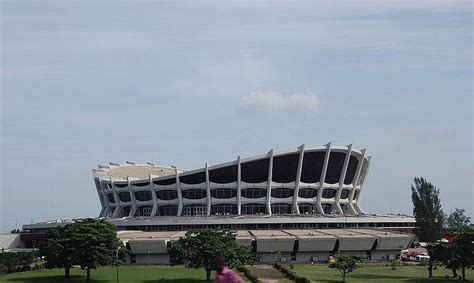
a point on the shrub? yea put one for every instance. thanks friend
(393, 264)
(290, 274)
(249, 274)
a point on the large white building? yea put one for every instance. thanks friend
(307, 180)
(301, 204)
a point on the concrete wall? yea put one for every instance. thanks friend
(273, 257)
(153, 259)
(312, 256)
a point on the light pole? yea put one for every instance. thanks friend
(117, 263)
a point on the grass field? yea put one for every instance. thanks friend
(403, 274)
(127, 274)
(150, 274)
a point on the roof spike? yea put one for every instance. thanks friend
(270, 152)
(328, 144)
(301, 147)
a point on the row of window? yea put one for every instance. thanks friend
(230, 209)
(225, 193)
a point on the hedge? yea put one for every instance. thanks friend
(290, 273)
(249, 274)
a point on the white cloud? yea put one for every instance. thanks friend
(276, 102)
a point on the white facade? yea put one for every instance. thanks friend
(307, 180)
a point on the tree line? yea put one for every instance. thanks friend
(432, 224)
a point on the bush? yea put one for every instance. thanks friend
(290, 274)
(393, 264)
(249, 274)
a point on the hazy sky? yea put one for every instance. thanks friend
(189, 82)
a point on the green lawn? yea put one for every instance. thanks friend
(127, 274)
(154, 273)
(404, 274)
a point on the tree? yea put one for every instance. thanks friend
(58, 250)
(458, 219)
(346, 264)
(200, 247)
(88, 243)
(428, 213)
(95, 243)
(457, 254)
(463, 247)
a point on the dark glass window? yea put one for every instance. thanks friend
(284, 168)
(168, 210)
(255, 171)
(345, 194)
(313, 163)
(165, 182)
(108, 185)
(356, 194)
(306, 208)
(194, 194)
(195, 209)
(143, 195)
(329, 193)
(223, 175)
(307, 192)
(167, 194)
(351, 170)
(124, 196)
(336, 162)
(126, 211)
(282, 192)
(254, 193)
(223, 193)
(223, 209)
(253, 208)
(144, 211)
(281, 208)
(327, 208)
(195, 178)
(111, 198)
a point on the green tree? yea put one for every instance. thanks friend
(346, 264)
(458, 218)
(444, 254)
(95, 243)
(58, 250)
(89, 243)
(463, 247)
(428, 213)
(200, 247)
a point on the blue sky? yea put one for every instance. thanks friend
(189, 82)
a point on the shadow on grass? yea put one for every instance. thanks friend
(54, 279)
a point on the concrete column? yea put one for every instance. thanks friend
(99, 193)
(153, 195)
(318, 205)
(239, 187)
(354, 183)
(358, 199)
(132, 197)
(117, 201)
(178, 189)
(296, 209)
(341, 179)
(208, 191)
(269, 182)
